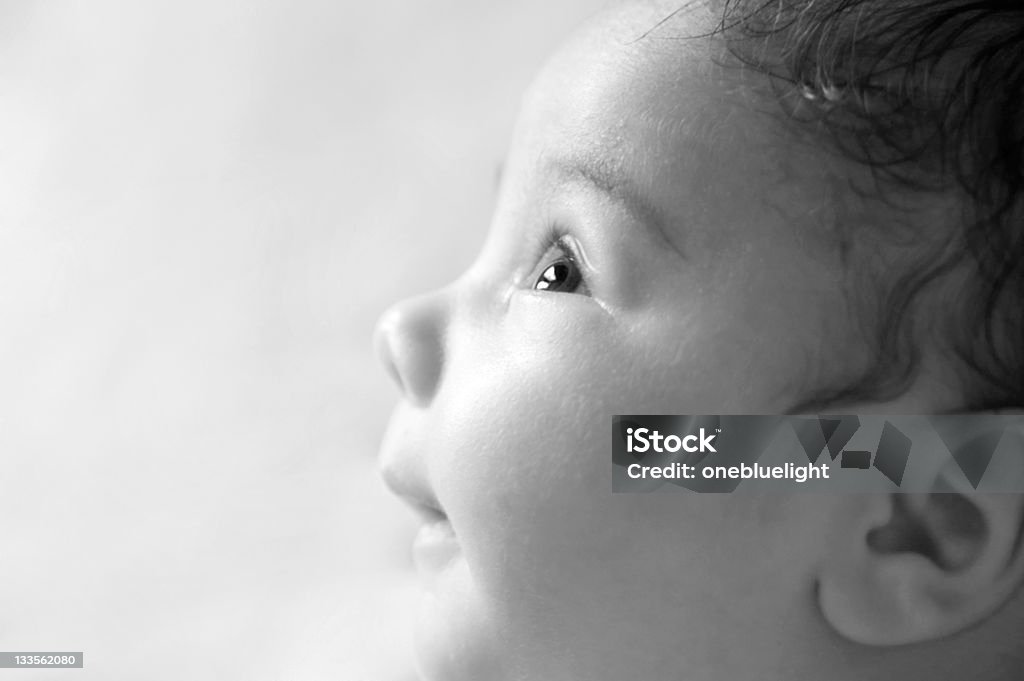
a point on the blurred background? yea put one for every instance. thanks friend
(204, 206)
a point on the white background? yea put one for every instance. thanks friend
(204, 206)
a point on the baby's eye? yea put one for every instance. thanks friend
(561, 276)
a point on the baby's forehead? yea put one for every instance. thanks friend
(659, 111)
(615, 52)
(632, 86)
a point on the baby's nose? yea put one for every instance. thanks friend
(409, 339)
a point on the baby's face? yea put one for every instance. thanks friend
(639, 261)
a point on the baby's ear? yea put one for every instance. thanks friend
(905, 568)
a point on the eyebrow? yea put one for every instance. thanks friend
(616, 186)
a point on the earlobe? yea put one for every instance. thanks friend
(915, 567)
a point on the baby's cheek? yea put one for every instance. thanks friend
(527, 403)
(525, 465)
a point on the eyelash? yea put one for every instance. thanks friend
(555, 238)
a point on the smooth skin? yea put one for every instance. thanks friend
(652, 177)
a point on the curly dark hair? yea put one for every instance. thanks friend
(930, 97)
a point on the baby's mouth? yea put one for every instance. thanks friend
(435, 544)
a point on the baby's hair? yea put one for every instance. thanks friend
(928, 96)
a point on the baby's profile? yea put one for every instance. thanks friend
(726, 208)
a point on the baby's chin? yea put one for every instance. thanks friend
(454, 638)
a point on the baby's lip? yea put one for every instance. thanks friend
(414, 493)
(435, 545)
(428, 514)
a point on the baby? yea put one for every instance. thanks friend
(726, 208)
